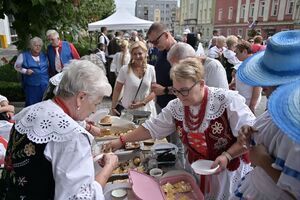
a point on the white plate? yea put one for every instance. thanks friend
(99, 114)
(203, 167)
(118, 193)
(117, 121)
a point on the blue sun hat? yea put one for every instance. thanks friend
(278, 64)
(284, 108)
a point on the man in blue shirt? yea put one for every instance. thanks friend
(159, 35)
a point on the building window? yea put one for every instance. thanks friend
(209, 14)
(220, 13)
(207, 31)
(251, 11)
(240, 32)
(290, 7)
(228, 31)
(230, 12)
(146, 11)
(262, 7)
(243, 10)
(192, 8)
(205, 13)
(275, 5)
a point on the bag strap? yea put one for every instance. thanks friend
(138, 89)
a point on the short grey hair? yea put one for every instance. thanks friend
(188, 69)
(35, 40)
(181, 51)
(52, 32)
(84, 76)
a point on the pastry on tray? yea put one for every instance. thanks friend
(106, 121)
(132, 145)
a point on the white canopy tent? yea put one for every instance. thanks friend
(120, 20)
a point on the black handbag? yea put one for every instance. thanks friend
(119, 106)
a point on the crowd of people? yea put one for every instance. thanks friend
(205, 103)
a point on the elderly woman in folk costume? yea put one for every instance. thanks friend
(49, 153)
(207, 121)
(275, 134)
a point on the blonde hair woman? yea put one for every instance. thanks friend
(121, 58)
(136, 77)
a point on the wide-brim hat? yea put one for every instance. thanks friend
(278, 64)
(284, 108)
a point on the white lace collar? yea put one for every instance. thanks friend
(216, 105)
(55, 80)
(45, 122)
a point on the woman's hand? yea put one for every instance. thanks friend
(115, 112)
(113, 145)
(96, 131)
(135, 105)
(109, 160)
(29, 72)
(222, 161)
(244, 135)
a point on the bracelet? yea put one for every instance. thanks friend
(166, 90)
(122, 140)
(227, 155)
(88, 127)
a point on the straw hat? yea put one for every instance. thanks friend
(284, 108)
(277, 65)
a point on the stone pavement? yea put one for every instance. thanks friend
(7, 54)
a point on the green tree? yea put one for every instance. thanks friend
(68, 17)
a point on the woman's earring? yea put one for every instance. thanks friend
(78, 108)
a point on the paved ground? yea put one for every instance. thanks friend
(7, 54)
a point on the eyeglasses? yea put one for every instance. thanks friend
(183, 92)
(155, 42)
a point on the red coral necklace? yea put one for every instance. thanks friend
(192, 121)
(61, 104)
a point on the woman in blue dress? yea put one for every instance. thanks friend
(33, 64)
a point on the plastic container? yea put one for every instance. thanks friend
(147, 188)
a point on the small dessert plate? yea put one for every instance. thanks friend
(118, 193)
(203, 167)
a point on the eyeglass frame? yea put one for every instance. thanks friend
(155, 42)
(176, 92)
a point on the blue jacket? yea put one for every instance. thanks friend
(40, 75)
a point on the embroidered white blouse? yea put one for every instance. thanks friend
(68, 149)
(219, 99)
